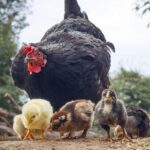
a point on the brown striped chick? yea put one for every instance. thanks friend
(74, 116)
(36, 114)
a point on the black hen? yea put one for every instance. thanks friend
(78, 61)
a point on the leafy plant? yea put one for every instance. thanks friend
(133, 88)
(12, 21)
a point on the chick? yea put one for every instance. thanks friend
(111, 112)
(131, 128)
(21, 131)
(138, 122)
(36, 114)
(148, 133)
(74, 116)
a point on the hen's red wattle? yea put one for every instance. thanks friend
(33, 68)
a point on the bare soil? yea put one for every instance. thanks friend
(89, 143)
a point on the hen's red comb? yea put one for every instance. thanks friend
(27, 49)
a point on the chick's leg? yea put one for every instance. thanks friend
(29, 135)
(125, 135)
(138, 133)
(61, 134)
(107, 128)
(68, 135)
(83, 135)
(43, 136)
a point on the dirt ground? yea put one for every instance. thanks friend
(89, 143)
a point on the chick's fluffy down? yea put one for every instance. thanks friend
(18, 127)
(36, 114)
(21, 131)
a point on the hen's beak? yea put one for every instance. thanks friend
(28, 59)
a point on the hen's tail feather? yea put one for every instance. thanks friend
(85, 16)
(111, 45)
(72, 9)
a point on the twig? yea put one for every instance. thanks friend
(13, 101)
(8, 130)
(5, 113)
(5, 120)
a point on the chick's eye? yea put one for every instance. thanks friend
(57, 125)
(33, 116)
(111, 94)
(104, 94)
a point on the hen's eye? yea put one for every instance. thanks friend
(39, 54)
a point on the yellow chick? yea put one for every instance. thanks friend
(21, 131)
(36, 114)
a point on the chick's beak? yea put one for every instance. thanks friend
(108, 97)
(30, 121)
(107, 100)
(50, 128)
